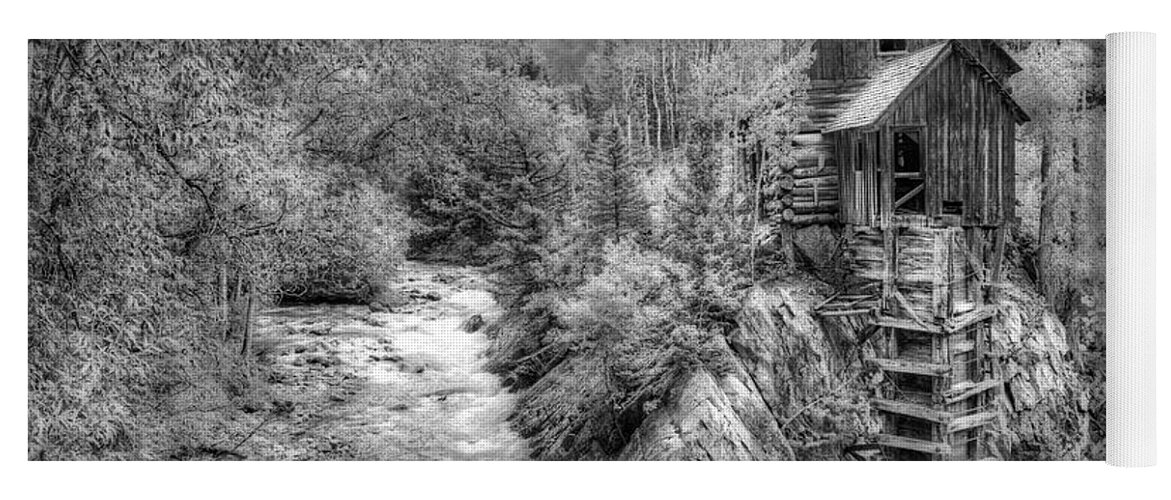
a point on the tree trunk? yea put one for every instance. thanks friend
(617, 209)
(658, 117)
(237, 297)
(225, 310)
(785, 236)
(646, 115)
(667, 94)
(244, 346)
(759, 170)
(626, 106)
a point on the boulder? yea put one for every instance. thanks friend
(319, 359)
(394, 358)
(420, 295)
(473, 323)
(387, 298)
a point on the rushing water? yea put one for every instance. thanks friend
(425, 392)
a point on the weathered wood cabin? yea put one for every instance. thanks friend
(909, 147)
(909, 132)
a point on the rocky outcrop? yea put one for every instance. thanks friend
(797, 389)
(709, 417)
(807, 370)
(1045, 402)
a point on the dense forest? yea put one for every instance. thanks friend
(175, 187)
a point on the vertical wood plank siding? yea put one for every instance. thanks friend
(968, 133)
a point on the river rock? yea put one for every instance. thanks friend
(323, 360)
(394, 358)
(411, 368)
(416, 294)
(473, 323)
(318, 329)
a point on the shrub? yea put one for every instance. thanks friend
(342, 248)
(602, 351)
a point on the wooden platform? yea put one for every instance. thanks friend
(966, 390)
(966, 422)
(919, 445)
(919, 411)
(913, 367)
(849, 304)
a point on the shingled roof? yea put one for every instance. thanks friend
(896, 77)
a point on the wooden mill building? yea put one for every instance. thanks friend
(909, 147)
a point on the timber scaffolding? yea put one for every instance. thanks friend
(908, 148)
(928, 295)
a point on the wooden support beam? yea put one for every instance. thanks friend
(808, 220)
(968, 389)
(913, 444)
(997, 262)
(977, 265)
(907, 307)
(969, 318)
(911, 194)
(844, 312)
(913, 367)
(967, 422)
(961, 346)
(888, 275)
(912, 410)
(826, 301)
(908, 325)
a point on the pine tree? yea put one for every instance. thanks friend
(614, 203)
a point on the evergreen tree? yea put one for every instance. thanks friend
(615, 205)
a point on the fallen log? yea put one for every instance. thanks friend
(807, 197)
(818, 180)
(814, 170)
(813, 206)
(806, 220)
(785, 183)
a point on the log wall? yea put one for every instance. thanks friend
(813, 194)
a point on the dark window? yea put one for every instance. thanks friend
(907, 152)
(892, 46)
(908, 166)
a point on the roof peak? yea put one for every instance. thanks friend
(898, 75)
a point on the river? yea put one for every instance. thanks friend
(408, 384)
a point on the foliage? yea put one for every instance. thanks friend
(1061, 175)
(158, 174)
(624, 339)
(621, 208)
(1061, 163)
(615, 205)
(340, 248)
(496, 168)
